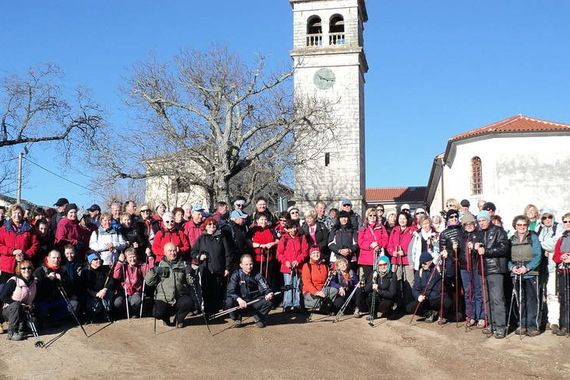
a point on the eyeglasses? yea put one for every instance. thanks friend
(168, 221)
(145, 210)
(547, 217)
(282, 220)
(211, 224)
(453, 217)
(566, 221)
(373, 216)
(26, 268)
(521, 224)
(239, 204)
(489, 209)
(294, 212)
(380, 209)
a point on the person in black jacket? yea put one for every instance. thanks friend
(495, 248)
(213, 254)
(316, 233)
(451, 247)
(380, 284)
(98, 285)
(343, 239)
(134, 235)
(244, 286)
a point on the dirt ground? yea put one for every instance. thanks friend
(287, 348)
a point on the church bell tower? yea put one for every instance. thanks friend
(329, 63)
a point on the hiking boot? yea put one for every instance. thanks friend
(487, 330)
(179, 325)
(562, 331)
(500, 333)
(441, 321)
(15, 335)
(260, 324)
(532, 332)
(470, 323)
(357, 313)
(237, 323)
(554, 328)
(520, 331)
(370, 317)
(431, 317)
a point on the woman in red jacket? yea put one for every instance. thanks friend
(372, 241)
(263, 241)
(18, 241)
(398, 244)
(69, 232)
(292, 251)
(170, 234)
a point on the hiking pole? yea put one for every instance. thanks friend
(39, 343)
(231, 310)
(126, 294)
(200, 298)
(424, 292)
(520, 303)
(513, 298)
(484, 286)
(567, 298)
(442, 295)
(142, 292)
(343, 308)
(69, 307)
(456, 265)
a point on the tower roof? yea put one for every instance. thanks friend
(514, 124)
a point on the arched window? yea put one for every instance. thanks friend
(336, 30)
(476, 176)
(314, 31)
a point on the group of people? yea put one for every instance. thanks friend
(457, 265)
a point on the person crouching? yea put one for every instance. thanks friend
(316, 291)
(131, 273)
(244, 286)
(381, 288)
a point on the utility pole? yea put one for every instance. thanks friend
(19, 193)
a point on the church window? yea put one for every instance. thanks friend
(314, 31)
(336, 30)
(476, 176)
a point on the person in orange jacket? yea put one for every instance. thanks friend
(316, 283)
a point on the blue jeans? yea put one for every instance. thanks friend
(291, 298)
(473, 295)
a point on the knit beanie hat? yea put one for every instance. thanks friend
(483, 214)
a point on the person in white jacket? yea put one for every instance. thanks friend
(425, 239)
(549, 231)
(107, 241)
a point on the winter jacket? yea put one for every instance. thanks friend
(102, 237)
(217, 250)
(135, 235)
(368, 235)
(422, 242)
(132, 277)
(343, 237)
(562, 246)
(548, 236)
(171, 280)
(320, 236)
(69, 232)
(48, 288)
(314, 276)
(530, 242)
(93, 280)
(24, 239)
(72, 272)
(400, 238)
(170, 236)
(192, 231)
(387, 285)
(246, 287)
(236, 235)
(421, 278)
(344, 280)
(16, 289)
(263, 236)
(291, 249)
(497, 249)
(469, 259)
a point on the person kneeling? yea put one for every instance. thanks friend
(316, 279)
(381, 288)
(172, 279)
(245, 286)
(427, 290)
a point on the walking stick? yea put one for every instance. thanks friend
(513, 299)
(567, 298)
(484, 286)
(200, 298)
(423, 293)
(442, 295)
(372, 314)
(343, 308)
(520, 305)
(142, 291)
(69, 307)
(231, 310)
(39, 343)
(267, 264)
(456, 265)
(126, 294)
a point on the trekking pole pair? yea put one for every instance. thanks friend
(516, 297)
(567, 297)
(39, 343)
(424, 292)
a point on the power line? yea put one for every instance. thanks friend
(61, 177)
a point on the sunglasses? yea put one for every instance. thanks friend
(380, 210)
(421, 212)
(26, 268)
(294, 212)
(521, 224)
(168, 221)
(566, 221)
(145, 210)
(239, 204)
(373, 216)
(489, 209)
(453, 217)
(547, 217)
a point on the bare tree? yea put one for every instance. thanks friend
(213, 121)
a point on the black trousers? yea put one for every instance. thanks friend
(14, 314)
(184, 305)
(213, 290)
(259, 309)
(430, 304)
(564, 298)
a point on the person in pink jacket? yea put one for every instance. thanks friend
(292, 251)
(398, 245)
(372, 241)
(131, 275)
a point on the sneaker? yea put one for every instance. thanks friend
(500, 333)
(532, 333)
(441, 321)
(431, 317)
(16, 336)
(357, 313)
(520, 331)
(470, 322)
(481, 324)
(259, 324)
(179, 325)
(237, 323)
(554, 328)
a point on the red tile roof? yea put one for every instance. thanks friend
(396, 194)
(519, 123)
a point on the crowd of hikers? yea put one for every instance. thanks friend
(461, 265)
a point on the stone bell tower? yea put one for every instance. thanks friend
(329, 61)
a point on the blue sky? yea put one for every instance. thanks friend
(437, 68)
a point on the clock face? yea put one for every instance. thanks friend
(324, 79)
